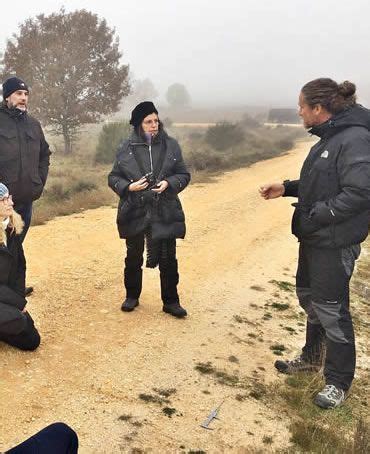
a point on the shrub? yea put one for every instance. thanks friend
(224, 135)
(109, 138)
(205, 160)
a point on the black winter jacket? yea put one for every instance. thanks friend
(139, 210)
(12, 285)
(333, 191)
(24, 155)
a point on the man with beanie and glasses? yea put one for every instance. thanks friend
(24, 152)
(147, 175)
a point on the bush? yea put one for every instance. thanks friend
(109, 138)
(205, 160)
(224, 135)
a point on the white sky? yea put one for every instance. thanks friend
(235, 51)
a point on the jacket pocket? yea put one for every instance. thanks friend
(171, 210)
(130, 208)
(8, 145)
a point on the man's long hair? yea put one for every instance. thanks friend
(331, 96)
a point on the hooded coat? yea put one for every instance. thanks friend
(137, 211)
(333, 190)
(12, 279)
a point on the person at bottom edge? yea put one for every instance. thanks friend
(330, 220)
(16, 324)
(58, 438)
(148, 173)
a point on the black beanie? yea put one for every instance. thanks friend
(13, 84)
(141, 111)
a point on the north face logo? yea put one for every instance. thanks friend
(324, 154)
(22, 84)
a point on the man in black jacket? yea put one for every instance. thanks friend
(331, 219)
(24, 152)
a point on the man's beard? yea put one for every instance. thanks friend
(22, 107)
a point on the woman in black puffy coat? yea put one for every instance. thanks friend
(148, 173)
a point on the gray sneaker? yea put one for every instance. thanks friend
(295, 366)
(330, 397)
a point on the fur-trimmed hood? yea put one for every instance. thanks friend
(16, 225)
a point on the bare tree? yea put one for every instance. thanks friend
(71, 61)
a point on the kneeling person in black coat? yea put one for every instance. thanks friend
(148, 173)
(16, 324)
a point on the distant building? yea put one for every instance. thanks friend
(283, 116)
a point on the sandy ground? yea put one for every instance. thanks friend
(95, 361)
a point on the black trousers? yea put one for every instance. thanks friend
(168, 269)
(27, 339)
(322, 284)
(57, 438)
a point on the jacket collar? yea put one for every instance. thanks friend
(352, 116)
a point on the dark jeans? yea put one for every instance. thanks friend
(168, 269)
(28, 339)
(25, 210)
(322, 283)
(58, 438)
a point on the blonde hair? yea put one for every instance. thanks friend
(16, 225)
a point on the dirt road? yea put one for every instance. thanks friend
(144, 381)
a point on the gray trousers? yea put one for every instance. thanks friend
(322, 284)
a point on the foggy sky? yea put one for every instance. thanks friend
(231, 52)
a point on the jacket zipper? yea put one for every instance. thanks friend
(150, 152)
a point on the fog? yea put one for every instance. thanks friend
(230, 53)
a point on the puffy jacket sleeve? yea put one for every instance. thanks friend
(354, 179)
(291, 188)
(117, 181)
(181, 176)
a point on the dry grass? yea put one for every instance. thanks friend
(343, 430)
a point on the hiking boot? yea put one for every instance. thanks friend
(129, 304)
(295, 366)
(175, 309)
(28, 291)
(330, 397)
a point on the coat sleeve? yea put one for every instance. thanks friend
(291, 188)
(44, 160)
(354, 179)
(181, 176)
(117, 181)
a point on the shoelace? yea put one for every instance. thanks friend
(296, 361)
(332, 392)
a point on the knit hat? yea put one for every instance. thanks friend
(13, 84)
(4, 191)
(141, 111)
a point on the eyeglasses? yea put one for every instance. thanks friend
(7, 199)
(151, 122)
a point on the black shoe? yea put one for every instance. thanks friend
(175, 309)
(28, 291)
(295, 366)
(129, 304)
